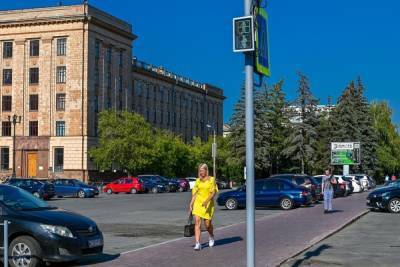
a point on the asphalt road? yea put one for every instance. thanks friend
(129, 222)
(278, 236)
(371, 241)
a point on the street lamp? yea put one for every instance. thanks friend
(14, 120)
(214, 150)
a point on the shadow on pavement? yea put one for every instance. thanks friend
(226, 241)
(335, 211)
(311, 254)
(97, 259)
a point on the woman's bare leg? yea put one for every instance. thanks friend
(210, 228)
(197, 228)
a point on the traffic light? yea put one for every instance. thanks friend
(243, 34)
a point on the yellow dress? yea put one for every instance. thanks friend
(203, 189)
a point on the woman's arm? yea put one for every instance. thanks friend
(211, 196)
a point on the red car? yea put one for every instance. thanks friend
(124, 185)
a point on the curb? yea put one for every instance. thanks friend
(322, 238)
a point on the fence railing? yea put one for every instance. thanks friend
(5, 242)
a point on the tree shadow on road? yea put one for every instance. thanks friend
(310, 254)
(226, 241)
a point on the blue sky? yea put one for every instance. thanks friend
(330, 41)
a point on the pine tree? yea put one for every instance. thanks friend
(276, 117)
(261, 134)
(238, 131)
(300, 146)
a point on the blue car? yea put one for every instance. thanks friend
(268, 193)
(40, 189)
(74, 188)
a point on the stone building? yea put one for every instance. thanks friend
(59, 67)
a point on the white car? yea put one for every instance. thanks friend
(191, 180)
(358, 188)
(363, 180)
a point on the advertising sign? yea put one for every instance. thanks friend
(345, 153)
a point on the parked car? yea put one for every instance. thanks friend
(385, 198)
(342, 187)
(124, 185)
(192, 181)
(358, 188)
(42, 233)
(364, 181)
(183, 185)
(170, 185)
(74, 188)
(222, 184)
(153, 186)
(339, 189)
(305, 181)
(269, 192)
(40, 189)
(349, 185)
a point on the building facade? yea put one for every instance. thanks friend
(185, 107)
(61, 66)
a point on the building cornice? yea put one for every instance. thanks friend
(42, 21)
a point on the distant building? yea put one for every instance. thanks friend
(226, 130)
(295, 112)
(60, 66)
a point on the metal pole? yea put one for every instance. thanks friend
(249, 149)
(14, 121)
(214, 157)
(5, 243)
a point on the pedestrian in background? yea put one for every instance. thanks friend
(386, 178)
(202, 204)
(328, 181)
(394, 178)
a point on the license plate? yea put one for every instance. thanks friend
(95, 243)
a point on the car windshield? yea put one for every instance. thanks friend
(318, 179)
(19, 199)
(78, 182)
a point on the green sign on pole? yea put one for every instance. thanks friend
(262, 50)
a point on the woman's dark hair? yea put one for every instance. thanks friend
(329, 168)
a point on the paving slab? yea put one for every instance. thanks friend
(278, 237)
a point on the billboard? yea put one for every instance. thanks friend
(262, 50)
(346, 153)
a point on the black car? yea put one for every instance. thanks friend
(386, 198)
(305, 181)
(40, 189)
(170, 185)
(152, 186)
(42, 233)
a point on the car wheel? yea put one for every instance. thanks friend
(286, 203)
(109, 191)
(181, 189)
(231, 204)
(24, 251)
(133, 191)
(167, 189)
(36, 194)
(394, 205)
(154, 190)
(81, 194)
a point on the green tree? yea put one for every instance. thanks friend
(300, 145)
(388, 140)
(125, 139)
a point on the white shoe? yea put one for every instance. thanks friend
(211, 242)
(197, 246)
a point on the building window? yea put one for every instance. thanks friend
(33, 128)
(6, 103)
(33, 102)
(6, 128)
(60, 128)
(61, 46)
(34, 48)
(58, 159)
(97, 48)
(60, 102)
(96, 103)
(7, 76)
(5, 158)
(121, 58)
(7, 49)
(61, 74)
(34, 75)
(109, 55)
(155, 117)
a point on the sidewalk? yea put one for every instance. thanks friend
(277, 238)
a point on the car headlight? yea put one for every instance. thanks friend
(57, 230)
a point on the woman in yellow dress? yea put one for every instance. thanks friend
(202, 204)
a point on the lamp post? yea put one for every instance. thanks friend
(214, 150)
(14, 120)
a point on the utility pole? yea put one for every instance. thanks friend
(14, 120)
(249, 148)
(214, 150)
